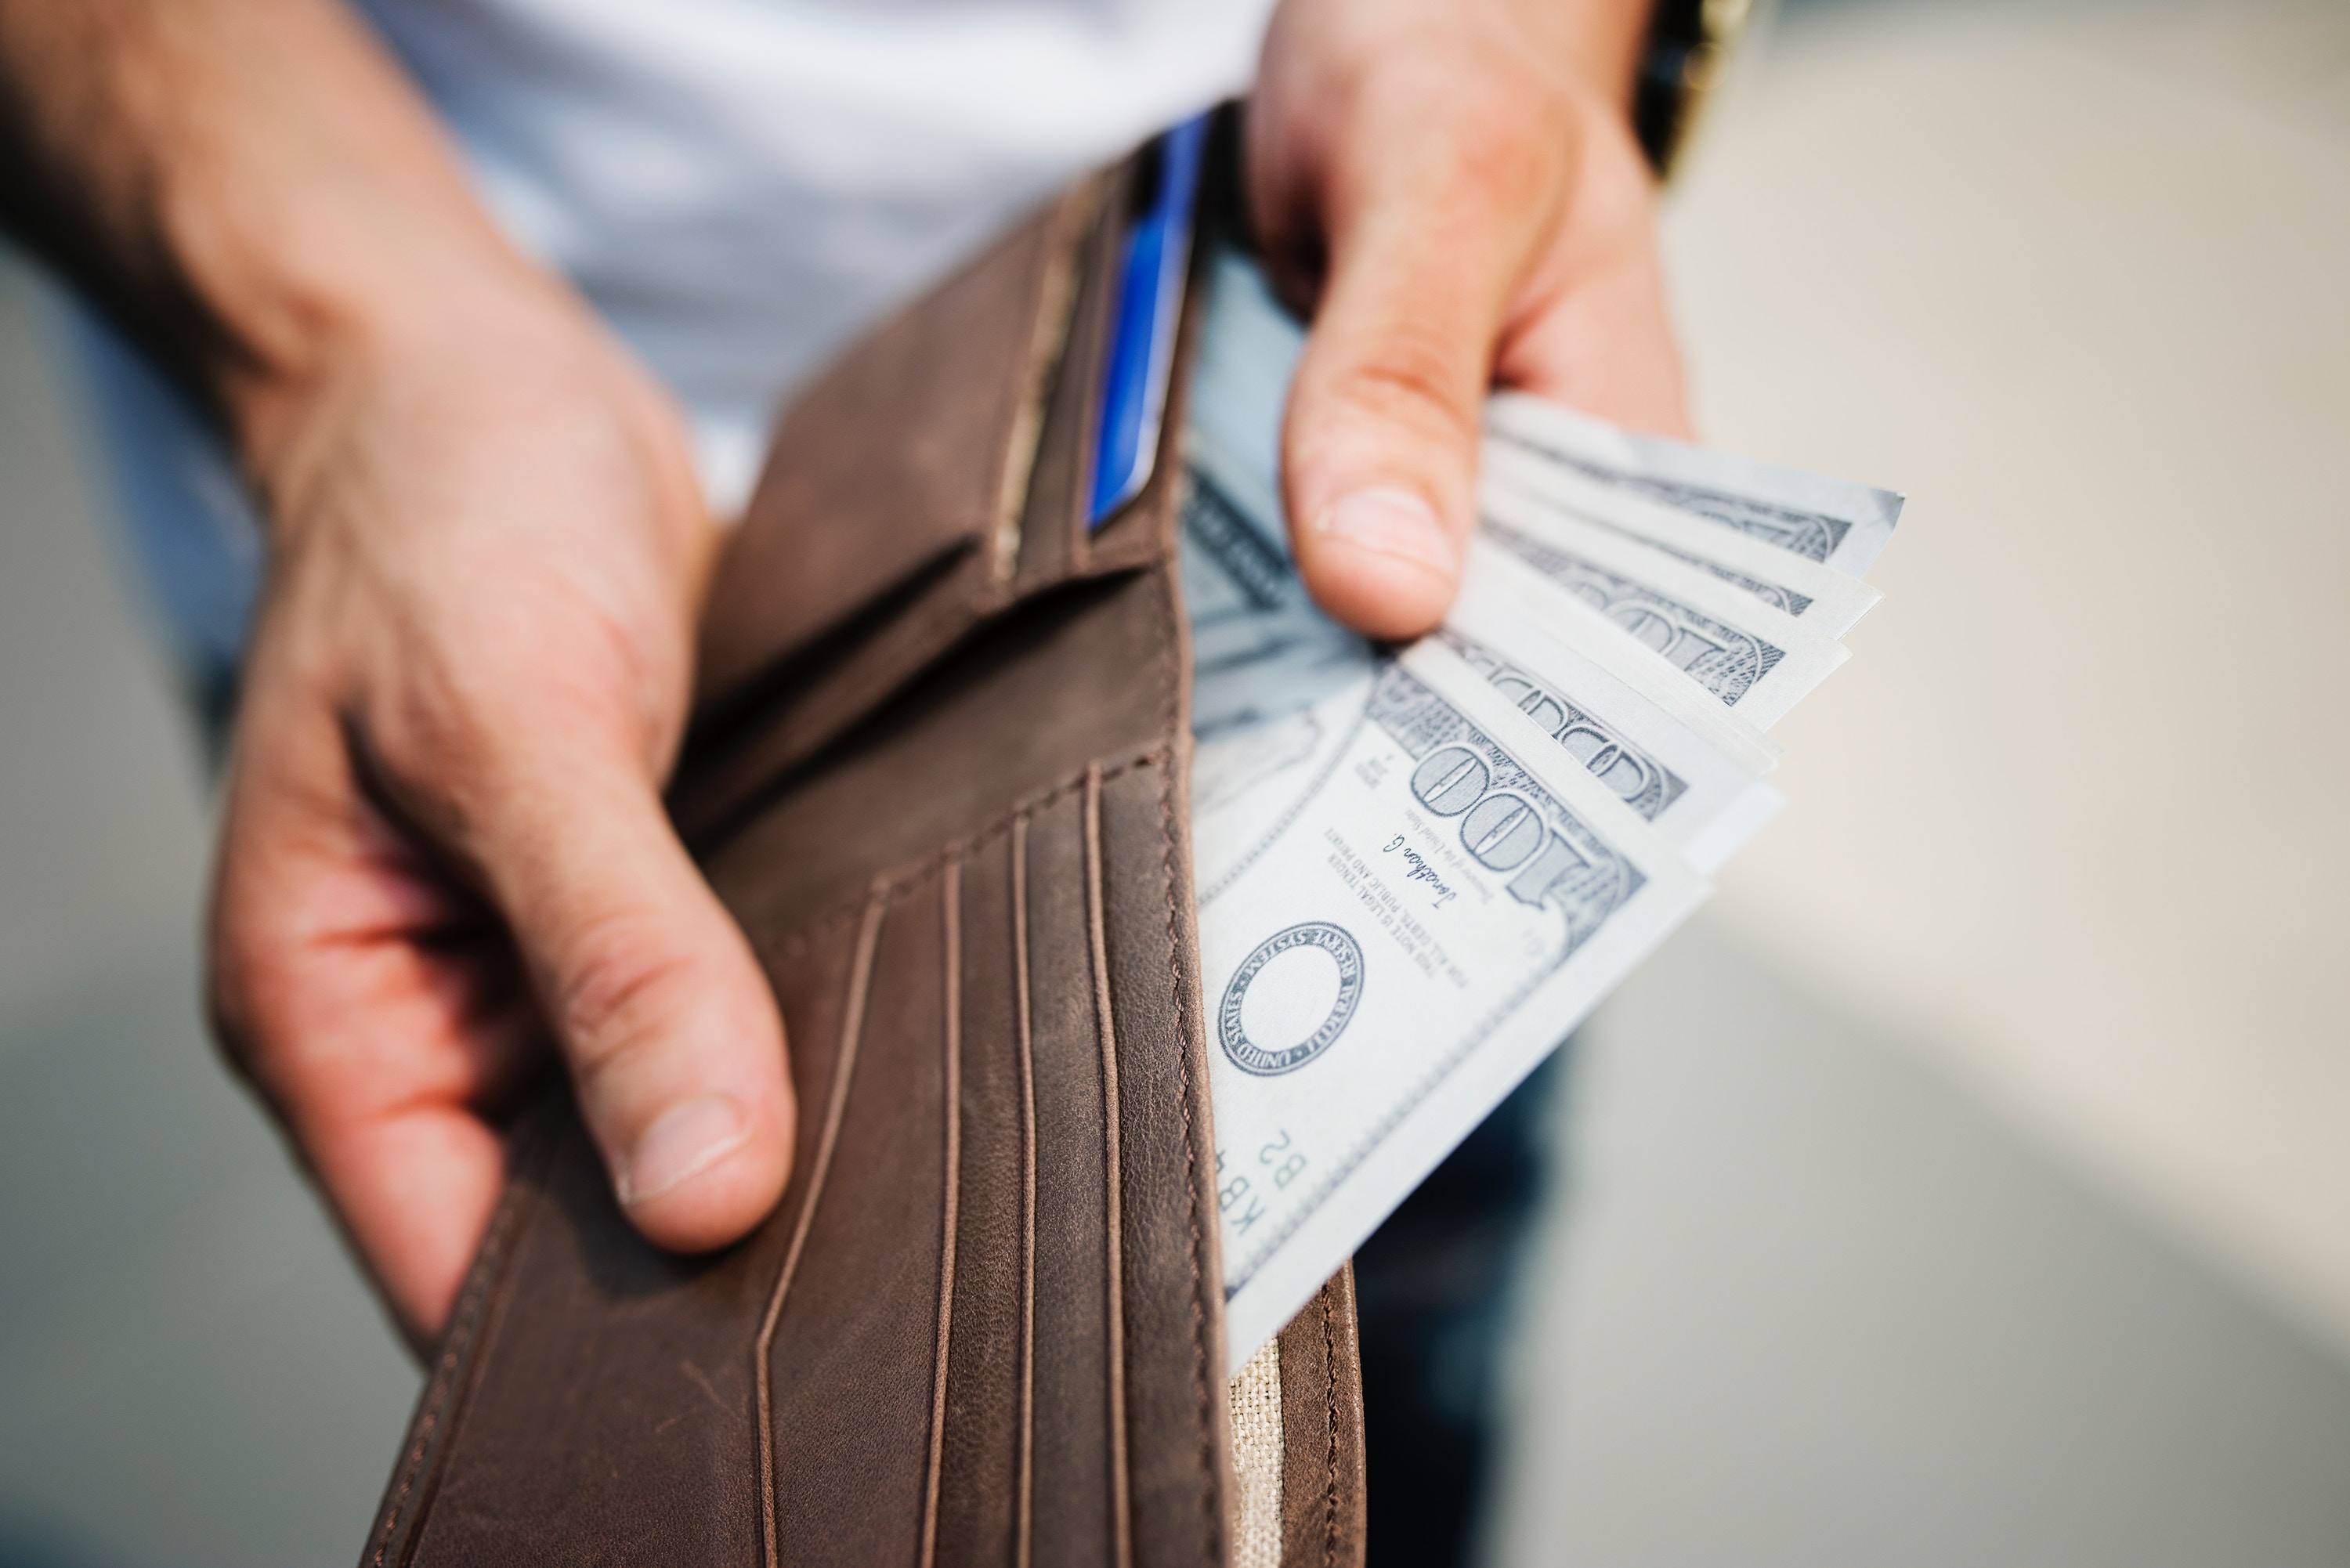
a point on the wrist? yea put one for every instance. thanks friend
(1606, 41)
(1593, 46)
(326, 274)
(447, 392)
(1327, 61)
(341, 333)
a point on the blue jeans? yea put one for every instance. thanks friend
(1433, 1287)
(179, 505)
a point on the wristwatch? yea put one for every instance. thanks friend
(1683, 62)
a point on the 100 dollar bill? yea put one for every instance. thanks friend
(1665, 748)
(1759, 660)
(1392, 952)
(1271, 693)
(1793, 583)
(1831, 521)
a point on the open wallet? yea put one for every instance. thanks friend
(938, 772)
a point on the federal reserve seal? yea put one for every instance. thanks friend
(1267, 1058)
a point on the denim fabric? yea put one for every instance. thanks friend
(177, 502)
(1434, 1290)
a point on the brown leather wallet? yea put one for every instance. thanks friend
(939, 773)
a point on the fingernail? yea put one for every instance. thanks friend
(683, 1142)
(1392, 522)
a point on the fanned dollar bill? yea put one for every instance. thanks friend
(1418, 870)
(1390, 955)
(1240, 373)
(1837, 524)
(1819, 595)
(1273, 680)
(1667, 749)
(1759, 660)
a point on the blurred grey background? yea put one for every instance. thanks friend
(1969, 1185)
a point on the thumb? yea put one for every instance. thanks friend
(1379, 447)
(670, 1029)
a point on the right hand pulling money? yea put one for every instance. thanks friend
(1454, 189)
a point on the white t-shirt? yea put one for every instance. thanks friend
(740, 186)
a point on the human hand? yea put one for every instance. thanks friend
(444, 862)
(444, 868)
(1454, 186)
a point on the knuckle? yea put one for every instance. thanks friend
(1411, 378)
(1496, 149)
(625, 981)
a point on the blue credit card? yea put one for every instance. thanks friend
(1142, 331)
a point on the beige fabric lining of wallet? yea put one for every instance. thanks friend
(1254, 1398)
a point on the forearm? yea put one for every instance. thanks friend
(250, 187)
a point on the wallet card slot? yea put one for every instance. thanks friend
(1031, 549)
(852, 1356)
(1142, 530)
(1054, 522)
(1175, 1412)
(983, 1480)
(950, 1095)
(1113, 1187)
(1080, 1372)
(898, 504)
(824, 1043)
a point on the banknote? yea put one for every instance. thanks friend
(1750, 657)
(1273, 680)
(1830, 520)
(1271, 674)
(1668, 751)
(1819, 595)
(1260, 648)
(1393, 952)
(1247, 352)
(1417, 869)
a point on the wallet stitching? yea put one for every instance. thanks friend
(1113, 1200)
(852, 1033)
(464, 1323)
(1025, 1502)
(1191, 1187)
(1330, 1421)
(1171, 664)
